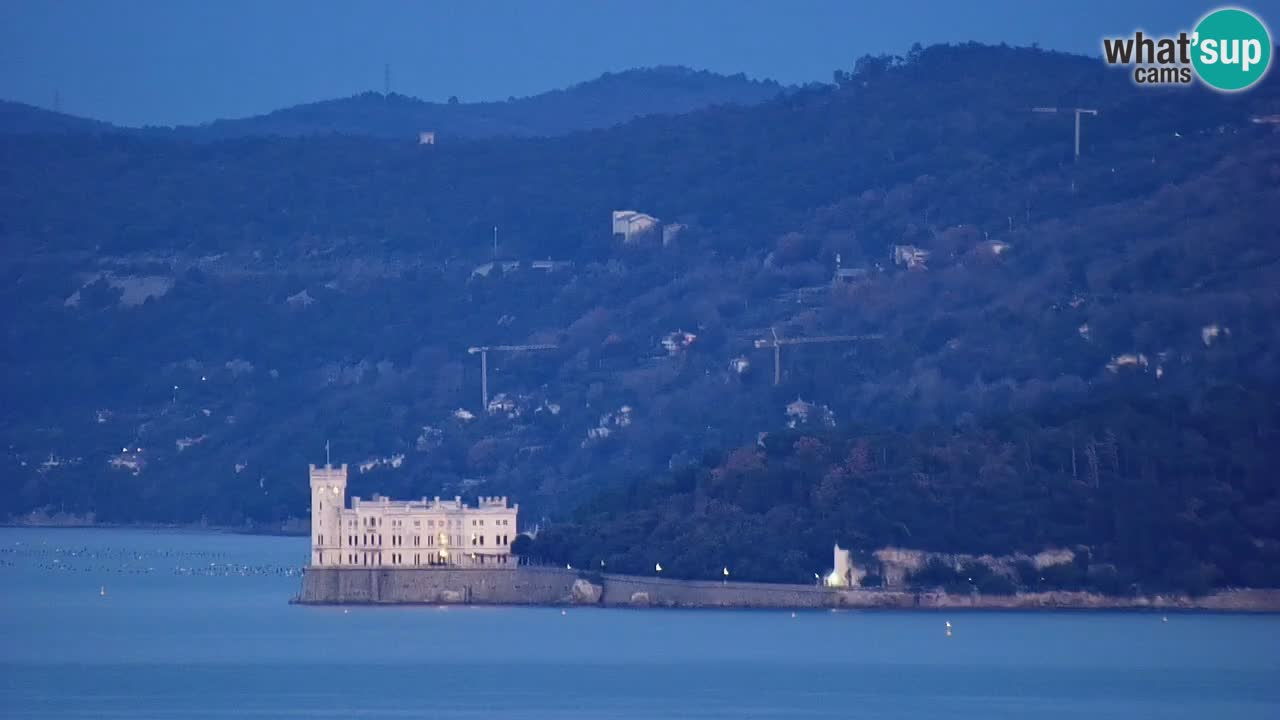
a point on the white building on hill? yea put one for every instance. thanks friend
(630, 225)
(406, 533)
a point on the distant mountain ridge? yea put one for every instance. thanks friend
(608, 100)
(20, 118)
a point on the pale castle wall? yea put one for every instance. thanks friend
(426, 533)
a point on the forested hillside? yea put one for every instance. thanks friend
(606, 101)
(1067, 353)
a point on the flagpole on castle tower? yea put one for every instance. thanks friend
(326, 454)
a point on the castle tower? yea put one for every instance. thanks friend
(328, 497)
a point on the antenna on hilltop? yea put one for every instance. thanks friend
(386, 79)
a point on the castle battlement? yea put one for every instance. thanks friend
(422, 533)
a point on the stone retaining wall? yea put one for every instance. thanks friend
(550, 586)
(358, 586)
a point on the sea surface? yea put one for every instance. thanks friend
(197, 625)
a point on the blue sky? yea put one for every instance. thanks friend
(184, 61)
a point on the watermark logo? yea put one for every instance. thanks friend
(1229, 50)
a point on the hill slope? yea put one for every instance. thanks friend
(20, 118)
(603, 102)
(193, 321)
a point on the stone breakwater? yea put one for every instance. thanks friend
(546, 586)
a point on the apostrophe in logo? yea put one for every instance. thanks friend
(1232, 49)
(1229, 50)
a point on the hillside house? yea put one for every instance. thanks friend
(631, 225)
(504, 266)
(850, 276)
(678, 341)
(912, 257)
(550, 266)
(801, 412)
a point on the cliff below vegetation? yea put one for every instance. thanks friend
(541, 586)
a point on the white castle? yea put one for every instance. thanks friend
(405, 533)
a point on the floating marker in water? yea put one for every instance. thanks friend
(948, 628)
(103, 591)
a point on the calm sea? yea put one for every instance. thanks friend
(199, 626)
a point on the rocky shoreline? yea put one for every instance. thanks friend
(293, 528)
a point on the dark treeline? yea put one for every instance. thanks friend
(1156, 493)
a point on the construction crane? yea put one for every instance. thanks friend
(776, 343)
(484, 364)
(1078, 112)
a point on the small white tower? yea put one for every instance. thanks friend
(328, 497)
(845, 573)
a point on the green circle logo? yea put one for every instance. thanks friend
(1232, 49)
